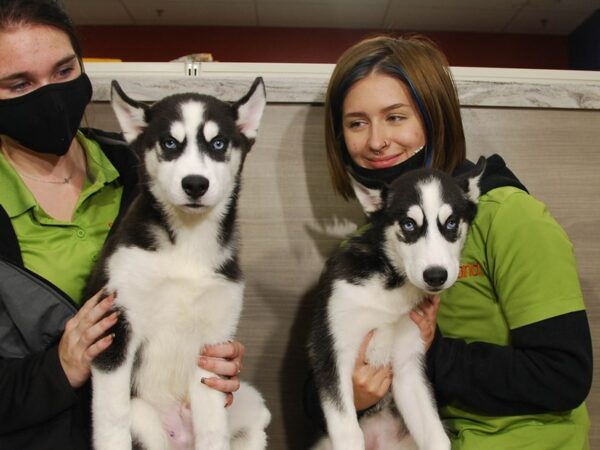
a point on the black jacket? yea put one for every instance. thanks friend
(38, 408)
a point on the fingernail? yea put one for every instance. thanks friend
(203, 380)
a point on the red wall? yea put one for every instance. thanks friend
(302, 45)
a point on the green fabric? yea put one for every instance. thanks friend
(532, 281)
(64, 252)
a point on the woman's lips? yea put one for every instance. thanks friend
(386, 161)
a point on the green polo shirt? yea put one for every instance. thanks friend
(64, 252)
(517, 268)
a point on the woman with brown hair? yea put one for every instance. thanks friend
(508, 346)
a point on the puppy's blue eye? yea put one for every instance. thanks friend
(451, 224)
(169, 144)
(408, 225)
(218, 144)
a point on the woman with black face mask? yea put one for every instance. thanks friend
(61, 189)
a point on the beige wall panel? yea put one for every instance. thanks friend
(290, 221)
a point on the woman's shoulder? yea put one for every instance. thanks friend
(509, 200)
(516, 214)
(506, 197)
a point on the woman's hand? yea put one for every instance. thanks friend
(425, 316)
(369, 383)
(80, 342)
(224, 360)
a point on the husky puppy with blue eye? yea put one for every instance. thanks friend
(173, 263)
(410, 250)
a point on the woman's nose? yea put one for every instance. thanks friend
(377, 138)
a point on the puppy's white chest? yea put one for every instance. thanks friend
(174, 291)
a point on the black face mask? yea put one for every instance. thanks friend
(46, 120)
(372, 178)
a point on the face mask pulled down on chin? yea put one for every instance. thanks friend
(372, 178)
(46, 120)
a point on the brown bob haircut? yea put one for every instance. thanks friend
(423, 68)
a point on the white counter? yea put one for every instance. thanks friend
(306, 83)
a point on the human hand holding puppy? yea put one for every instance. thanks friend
(425, 316)
(370, 383)
(225, 360)
(81, 343)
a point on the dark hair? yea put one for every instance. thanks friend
(422, 67)
(39, 12)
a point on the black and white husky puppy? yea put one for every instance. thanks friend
(411, 249)
(173, 263)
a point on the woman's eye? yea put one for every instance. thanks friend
(395, 118)
(19, 87)
(169, 144)
(355, 124)
(218, 144)
(408, 225)
(451, 224)
(65, 72)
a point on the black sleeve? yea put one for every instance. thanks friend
(33, 390)
(547, 368)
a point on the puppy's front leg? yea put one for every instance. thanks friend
(209, 416)
(412, 392)
(111, 407)
(340, 413)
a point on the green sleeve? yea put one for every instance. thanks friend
(532, 262)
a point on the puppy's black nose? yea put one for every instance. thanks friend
(435, 276)
(194, 185)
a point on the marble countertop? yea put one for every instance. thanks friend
(306, 83)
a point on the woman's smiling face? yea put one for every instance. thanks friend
(381, 124)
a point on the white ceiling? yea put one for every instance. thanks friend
(554, 17)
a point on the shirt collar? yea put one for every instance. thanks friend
(16, 198)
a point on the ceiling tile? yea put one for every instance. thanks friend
(545, 21)
(217, 13)
(330, 14)
(447, 19)
(515, 16)
(462, 4)
(338, 3)
(90, 12)
(565, 5)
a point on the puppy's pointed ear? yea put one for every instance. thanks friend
(130, 114)
(469, 182)
(250, 108)
(370, 194)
